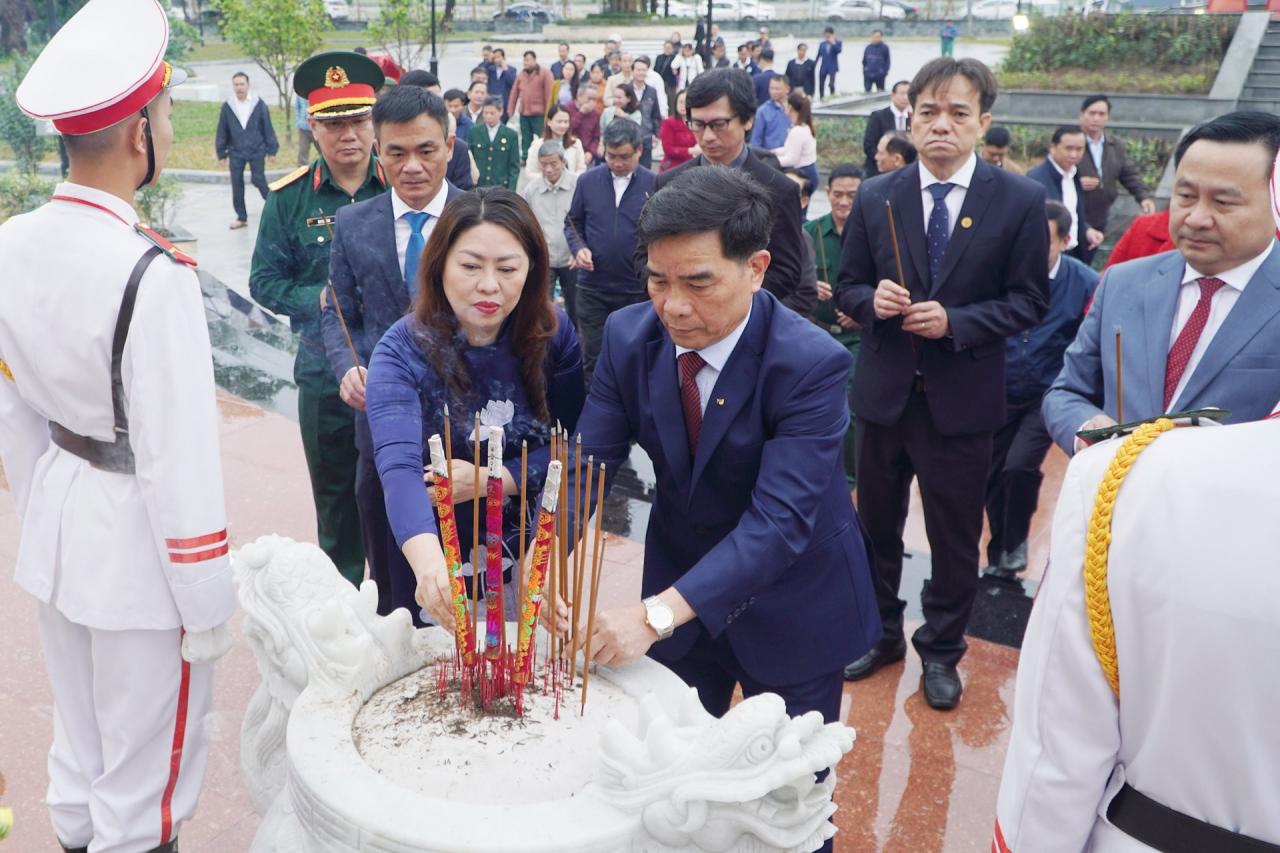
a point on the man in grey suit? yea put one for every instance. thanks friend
(373, 272)
(1200, 326)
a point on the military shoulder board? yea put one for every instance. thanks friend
(164, 245)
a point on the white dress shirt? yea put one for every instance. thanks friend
(1236, 280)
(1069, 199)
(715, 357)
(955, 198)
(619, 187)
(243, 109)
(1095, 151)
(899, 117)
(404, 230)
(493, 131)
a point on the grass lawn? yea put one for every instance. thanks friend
(215, 49)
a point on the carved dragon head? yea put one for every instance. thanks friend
(744, 782)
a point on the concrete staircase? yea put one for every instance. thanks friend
(1262, 87)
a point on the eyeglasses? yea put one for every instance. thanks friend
(717, 125)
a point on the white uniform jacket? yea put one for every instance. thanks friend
(110, 551)
(1195, 596)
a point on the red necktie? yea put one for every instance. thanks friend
(1180, 352)
(690, 363)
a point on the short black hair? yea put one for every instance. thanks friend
(240, 74)
(1064, 130)
(709, 198)
(480, 69)
(877, 32)
(419, 77)
(733, 83)
(642, 59)
(1057, 213)
(563, 44)
(895, 86)
(501, 51)
(622, 131)
(944, 68)
(900, 143)
(493, 101)
(767, 53)
(454, 95)
(845, 170)
(362, 51)
(403, 104)
(1095, 99)
(805, 182)
(528, 53)
(475, 83)
(997, 136)
(826, 30)
(1243, 127)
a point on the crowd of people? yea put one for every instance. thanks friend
(941, 324)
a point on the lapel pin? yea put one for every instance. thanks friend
(966, 222)
(719, 401)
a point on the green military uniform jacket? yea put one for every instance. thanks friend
(291, 258)
(499, 161)
(826, 251)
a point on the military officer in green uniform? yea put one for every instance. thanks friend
(291, 268)
(827, 233)
(495, 148)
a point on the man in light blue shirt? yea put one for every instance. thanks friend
(772, 122)
(305, 139)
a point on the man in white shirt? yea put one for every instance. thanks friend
(1061, 179)
(373, 273)
(1196, 327)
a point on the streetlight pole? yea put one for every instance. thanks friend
(435, 64)
(710, 43)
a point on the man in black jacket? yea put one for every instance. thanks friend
(662, 67)
(651, 111)
(721, 107)
(929, 387)
(896, 116)
(245, 135)
(800, 70)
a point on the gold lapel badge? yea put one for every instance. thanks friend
(966, 222)
(719, 401)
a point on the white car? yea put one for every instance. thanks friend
(338, 10)
(864, 10)
(741, 10)
(678, 9)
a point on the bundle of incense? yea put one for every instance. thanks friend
(475, 531)
(553, 592)
(531, 605)
(443, 492)
(524, 492)
(565, 589)
(493, 548)
(577, 545)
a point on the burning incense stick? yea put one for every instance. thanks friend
(493, 548)
(598, 559)
(580, 564)
(443, 492)
(553, 592)
(346, 335)
(577, 540)
(897, 255)
(524, 487)
(565, 588)
(448, 442)
(531, 604)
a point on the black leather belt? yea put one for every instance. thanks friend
(117, 456)
(1158, 826)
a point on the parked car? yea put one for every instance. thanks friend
(864, 10)
(908, 10)
(337, 10)
(527, 10)
(741, 10)
(679, 9)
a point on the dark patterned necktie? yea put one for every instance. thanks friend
(939, 231)
(690, 363)
(1185, 344)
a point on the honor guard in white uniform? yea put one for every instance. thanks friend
(1147, 693)
(109, 440)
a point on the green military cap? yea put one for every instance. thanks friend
(338, 83)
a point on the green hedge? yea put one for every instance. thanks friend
(1097, 42)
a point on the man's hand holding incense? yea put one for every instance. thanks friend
(891, 299)
(623, 634)
(352, 389)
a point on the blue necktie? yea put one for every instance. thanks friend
(939, 231)
(413, 251)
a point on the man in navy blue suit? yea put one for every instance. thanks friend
(756, 572)
(929, 390)
(1061, 180)
(372, 268)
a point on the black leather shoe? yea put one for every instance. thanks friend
(870, 663)
(941, 685)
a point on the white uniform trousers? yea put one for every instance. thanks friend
(130, 734)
